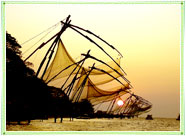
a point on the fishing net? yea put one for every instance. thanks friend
(134, 105)
(59, 68)
(85, 89)
(81, 83)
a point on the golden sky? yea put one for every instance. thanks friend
(148, 36)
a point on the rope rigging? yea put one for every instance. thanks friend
(92, 57)
(95, 36)
(38, 41)
(55, 25)
(98, 47)
(64, 27)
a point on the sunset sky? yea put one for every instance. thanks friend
(147, 35)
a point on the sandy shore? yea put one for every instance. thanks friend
(116, 124)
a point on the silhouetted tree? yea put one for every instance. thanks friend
(26, 95)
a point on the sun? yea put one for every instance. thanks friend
(120, 103)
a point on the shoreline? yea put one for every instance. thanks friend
(105, 124)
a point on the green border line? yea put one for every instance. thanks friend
(3, 112)
(101, 2)
(182, 111)
(92, 132)
(182, 114)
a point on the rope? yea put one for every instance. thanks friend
(38, 41)
(40, 33)
(54, 26)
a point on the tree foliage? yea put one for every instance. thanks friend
(26, 95)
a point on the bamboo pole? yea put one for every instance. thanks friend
(98, 47)
(76, 63)
(97, 37)
(108, 66)
(83, 84)
(57, 38)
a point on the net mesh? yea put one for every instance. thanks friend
(62, 60)
(94, 94)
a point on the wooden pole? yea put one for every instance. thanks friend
(68, 77)
(57, 38)
(76, 63)
(50, 56)
(98, 47)
(96, 37)
(83, 84)
(108, 66)
(43, 44)
(75, 77)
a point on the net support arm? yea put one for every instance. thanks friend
(43, 44)
(97, 37)
(97, 46)
(108, 66)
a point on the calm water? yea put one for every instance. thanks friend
(116, 124)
